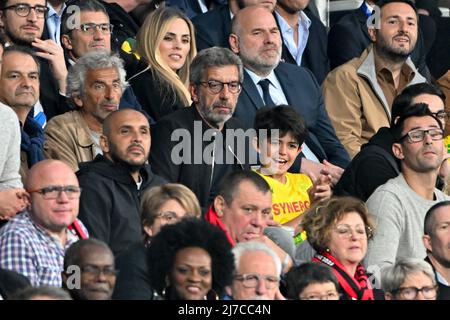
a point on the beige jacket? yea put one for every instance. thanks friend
(67, 138)
(355, 102)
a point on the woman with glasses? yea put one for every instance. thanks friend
(160, 206)
(166, 46)
(409, 279)
(190, 260)
(339, 230)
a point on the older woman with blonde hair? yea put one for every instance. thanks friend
(160, 206)
(339, 230)
(166, 46)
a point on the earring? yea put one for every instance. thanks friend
(327, 250)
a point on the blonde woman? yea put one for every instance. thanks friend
(166, 45)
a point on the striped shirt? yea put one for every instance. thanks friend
(31, 251)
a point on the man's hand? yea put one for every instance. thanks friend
(321, 188)
(54, 53)
(334, 171)
(12, 201)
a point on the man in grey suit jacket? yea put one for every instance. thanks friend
(256, 38)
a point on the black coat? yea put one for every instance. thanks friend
(109, 203)
(212, 28)
(349, 37)
(11, 282)
(196, 175)
(373, 166)
(315, 56)
(443, 290)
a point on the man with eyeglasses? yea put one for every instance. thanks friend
(206, 130)
(401, 203)
(23, 22)
(257, 274)
(34, 242)
(93, 33)
(93, 261)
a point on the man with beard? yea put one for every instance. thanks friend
(437, 242)
(400, 204)
(95, 261)
(359, 94)
(267, 81)
(304, 37)
(23, 22)
(95, 84)
(113, 182)
(193, 145)
(212, 28)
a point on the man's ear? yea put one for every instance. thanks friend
(104, 144)
(193, 92)
(372, 33)
(77, 100)
(66, 42)
(397, 149)
(388, 296)
(427, 242)
(255, 144)
(234, 43)
(219, 204)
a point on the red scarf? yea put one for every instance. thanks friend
(212, 217)
(356, 287)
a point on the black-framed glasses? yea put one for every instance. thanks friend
(23, 10)
(251, 280)
(90, 28)
(53, 192)
(417, 135)
(410, 293)
(96, 271)
(441, 115)
(217, 86)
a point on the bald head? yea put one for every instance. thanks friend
(44, 170)
(118, 116)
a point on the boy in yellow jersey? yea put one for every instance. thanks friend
(292, 193)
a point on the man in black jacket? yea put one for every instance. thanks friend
(197, 146)
(437, 242)
(112, 183)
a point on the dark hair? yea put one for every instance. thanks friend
(230, 184)
(73, 255)
(416, 110)
(2, 40)
(3, 4)
(298, 278)
(283, 118)
(429, 216)
(382, 3)
(190, 232)
(23, 50)
(404, 99)
(32, 292)
(83, 6)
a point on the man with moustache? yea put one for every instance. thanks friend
(359, 94)
(268, 82)
(95, 84)
(23, 22)
(113, 182)
(400, 205)
(192, 147)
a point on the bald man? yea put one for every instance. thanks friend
(113, 182)
(34, 242)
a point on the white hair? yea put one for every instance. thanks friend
(253, 246)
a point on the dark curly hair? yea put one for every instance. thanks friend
(190, 232)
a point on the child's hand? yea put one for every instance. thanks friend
(321, 188)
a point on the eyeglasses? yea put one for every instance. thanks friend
(217, 86)
(168, 216)
(53, 192)
(329, 296)
(441, 115)
(96, 271)
(418, 135)
(411, 293)
(347, 232)
(252, 280)
(23, 10)
(90, 28)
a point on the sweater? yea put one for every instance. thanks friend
(399, 213)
